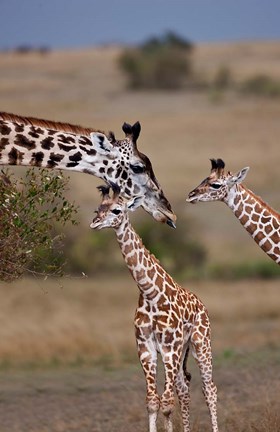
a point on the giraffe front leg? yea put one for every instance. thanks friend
(167, 401)
(148, 358)
(171, 351)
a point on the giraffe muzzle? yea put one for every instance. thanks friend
(192, 198)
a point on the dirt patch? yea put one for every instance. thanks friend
(95, 400)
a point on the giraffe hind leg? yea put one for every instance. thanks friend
(203, 356)
(182, 385)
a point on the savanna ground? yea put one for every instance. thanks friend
(67, 352)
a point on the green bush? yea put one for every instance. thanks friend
(246, 270)
(223, 78)
(29, 208)
(261, 85)
(159, 63)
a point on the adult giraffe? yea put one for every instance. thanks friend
(169, 320)
(42, 143)
(257, 217)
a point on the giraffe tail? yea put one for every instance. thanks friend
(186, 373)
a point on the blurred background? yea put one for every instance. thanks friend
(203, 79)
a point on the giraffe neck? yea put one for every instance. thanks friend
(260, 220)
(44, 145)
(149, 275)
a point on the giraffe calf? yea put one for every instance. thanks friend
(260, 220)
(169, 320)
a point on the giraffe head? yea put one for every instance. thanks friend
(218, 185)
(132, 171)
(113, 209)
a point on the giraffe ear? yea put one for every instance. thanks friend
(134, 203)
(102, 145)
(238, 177)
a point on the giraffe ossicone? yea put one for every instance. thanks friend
(260, 220)
(42, 143)
(169, 320)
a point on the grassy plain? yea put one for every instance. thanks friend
(68, 356)
(67, 352)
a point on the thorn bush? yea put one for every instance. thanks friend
(29, 209)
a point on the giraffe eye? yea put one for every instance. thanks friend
(216, 185)
(137, 169)
(116, 211)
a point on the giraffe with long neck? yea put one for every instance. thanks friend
(42, 143)
(169, 320)
(257, 217)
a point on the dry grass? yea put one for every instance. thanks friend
(88, 324)
(81, 319)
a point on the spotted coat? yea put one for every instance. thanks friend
(169, 320)
(258, 218)
(42, 143)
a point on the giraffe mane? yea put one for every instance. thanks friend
(32, 121)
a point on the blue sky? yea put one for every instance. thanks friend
(80, 23)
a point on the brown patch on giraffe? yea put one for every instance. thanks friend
(236, 200)
(244, 219)
(248, 209)
(168, 337)
(140, 274)
(143, 319)
(19, 128)
(275, 254)
(127, 249)
(275, 223)
(66, 148)
(15, 156)
(260, 236)
(258, 208)
(3, 143)
(268, 229)
(267, 245)
(34, 132)
(66, 139)
(252, 228)
(159, 280)
(151, 273)
(37, 159)
(275, 238)
(266, 218)
(4, 129)
(76, 157)
(47, 143)
(91, 152)
(54, 160)
(23, 141)
(239, 209)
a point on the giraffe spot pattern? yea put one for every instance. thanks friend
(259, 221)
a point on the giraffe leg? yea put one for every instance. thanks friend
(148, 358)
(171, 360)
(203, 355)
(182, 384)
